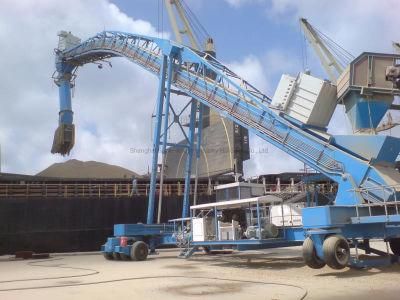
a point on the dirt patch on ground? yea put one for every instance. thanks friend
(204, 289)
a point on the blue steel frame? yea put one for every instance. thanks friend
(237, 100)
(161, 122)
(189, 159)
(198, 148)
(156, 139)
(240, 102)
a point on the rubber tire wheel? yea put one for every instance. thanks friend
(310, 255)
(116, 256)
(139, 251)
(336, 252)
(395, 246)
(108, 255)
(125, 257)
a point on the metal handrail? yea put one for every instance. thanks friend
(99, 190)
(362, 189)
(373, 201)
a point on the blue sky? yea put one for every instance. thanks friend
(267, 28)
(262, 39)
(237, 31)
(258, 39)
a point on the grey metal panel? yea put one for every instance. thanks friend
(224, 147)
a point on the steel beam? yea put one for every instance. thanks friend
(198, 149)
(164, 135)
(189, 157)
(156, 139)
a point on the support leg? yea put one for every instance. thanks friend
(164, 138)
(198, 150)
(156, 141)
(188, 167)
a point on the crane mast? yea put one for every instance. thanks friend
(335, 61)
(187, 29)
(332, 65)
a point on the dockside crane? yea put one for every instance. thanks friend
(198, 41)
(365, 113)
(333, 57)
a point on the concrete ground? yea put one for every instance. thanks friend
(271, 274)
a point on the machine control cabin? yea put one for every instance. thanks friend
(238, 190)
(257, 222)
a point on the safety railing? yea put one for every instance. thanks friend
(139, 49)
(295, 192)
(117, 190)
(382, 200)
(98, 190)
(284, 188)
(220, 94)
(299, 187)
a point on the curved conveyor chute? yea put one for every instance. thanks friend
(202, 77)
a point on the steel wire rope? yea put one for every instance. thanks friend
(35, 264)
(94, 272)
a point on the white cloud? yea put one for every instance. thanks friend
(267, 159)
(261, 72)
(359, 25)
(239, 3)
(112, 107)
(252, 70)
